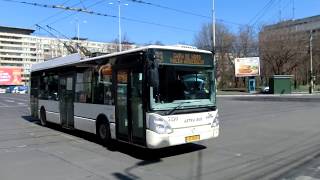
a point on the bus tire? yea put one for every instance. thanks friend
(103, 130)
(43, 118)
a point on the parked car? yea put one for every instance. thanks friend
(10, 89)
(2, 91)
(20, 89)
(265, 90)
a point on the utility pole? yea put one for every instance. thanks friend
(213, 31)
(78, 35)
(311, 66)
(280, 10)
(119, 16)
(293, 9)
(214, 41)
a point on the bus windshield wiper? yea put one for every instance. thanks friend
(177, 107)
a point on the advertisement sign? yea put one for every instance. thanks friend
(246, 67)
(10, 75)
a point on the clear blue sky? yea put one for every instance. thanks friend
(106, 29)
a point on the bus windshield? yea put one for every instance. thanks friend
(183, 87)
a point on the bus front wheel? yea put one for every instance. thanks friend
(103, 132)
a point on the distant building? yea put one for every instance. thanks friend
(284, 48)
(19, 48)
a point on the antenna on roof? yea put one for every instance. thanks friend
(70, 49)
(84, 50)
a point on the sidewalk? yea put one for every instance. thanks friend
(241, 94)
(295, 97)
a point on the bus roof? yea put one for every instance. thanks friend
(76, 58)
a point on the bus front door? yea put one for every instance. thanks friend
(66, 101)
(130, 126)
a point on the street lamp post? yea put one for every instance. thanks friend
(311, 63)
(213, 27)
(78, 32)
(119, 22)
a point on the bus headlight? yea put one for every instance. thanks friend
(215, 122)
(159, 125)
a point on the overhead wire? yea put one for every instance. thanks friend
(74, 13)
(283, 8)
(60, 12)
(182, 11)
(253, 22)
(86, 11)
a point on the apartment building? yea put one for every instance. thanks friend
(20, 48)
(285, 49)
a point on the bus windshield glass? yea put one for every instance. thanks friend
(183, 87)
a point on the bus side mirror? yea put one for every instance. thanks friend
(153, 74)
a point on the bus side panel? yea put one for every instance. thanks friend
(52, 110)
(85, 115)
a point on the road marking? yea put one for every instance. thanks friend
(12, 106)
(14, 99)
(21, 146)
(11, 101)
(21, 103)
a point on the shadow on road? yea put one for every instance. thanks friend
(147, 155)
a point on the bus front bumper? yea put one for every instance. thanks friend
(180, 136)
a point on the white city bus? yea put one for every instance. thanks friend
(154, 96)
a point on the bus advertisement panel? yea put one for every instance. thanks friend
(10, 75)
(246, 67)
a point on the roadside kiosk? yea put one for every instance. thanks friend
(281, 84)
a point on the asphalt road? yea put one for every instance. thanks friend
(260, 138)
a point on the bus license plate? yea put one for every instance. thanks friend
(192, 138)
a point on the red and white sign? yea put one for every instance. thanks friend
(10, 75)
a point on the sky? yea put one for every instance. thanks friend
(163, 24)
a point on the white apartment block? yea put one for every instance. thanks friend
(19, 48)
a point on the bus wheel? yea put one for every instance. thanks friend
(43, 119)
(103, 132)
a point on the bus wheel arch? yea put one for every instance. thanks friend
(103, 128)
(43, 116)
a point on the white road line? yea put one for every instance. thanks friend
(15, 99)
(12, 106)
(21, 103)
(11, 101)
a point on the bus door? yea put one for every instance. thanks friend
(130, 126)
(34, 92)
(66, 100)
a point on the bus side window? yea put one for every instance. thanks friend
(102, 90)
(53, 88)
(83, 93)
(43, 93)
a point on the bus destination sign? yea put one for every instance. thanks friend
(184, 58)
(187, 58)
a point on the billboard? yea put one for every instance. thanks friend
(245, 67)
(10, 75)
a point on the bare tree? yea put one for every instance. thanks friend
(246, 45)
(125, 42)
(284, 52)
(223, 52)
(247, 42)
